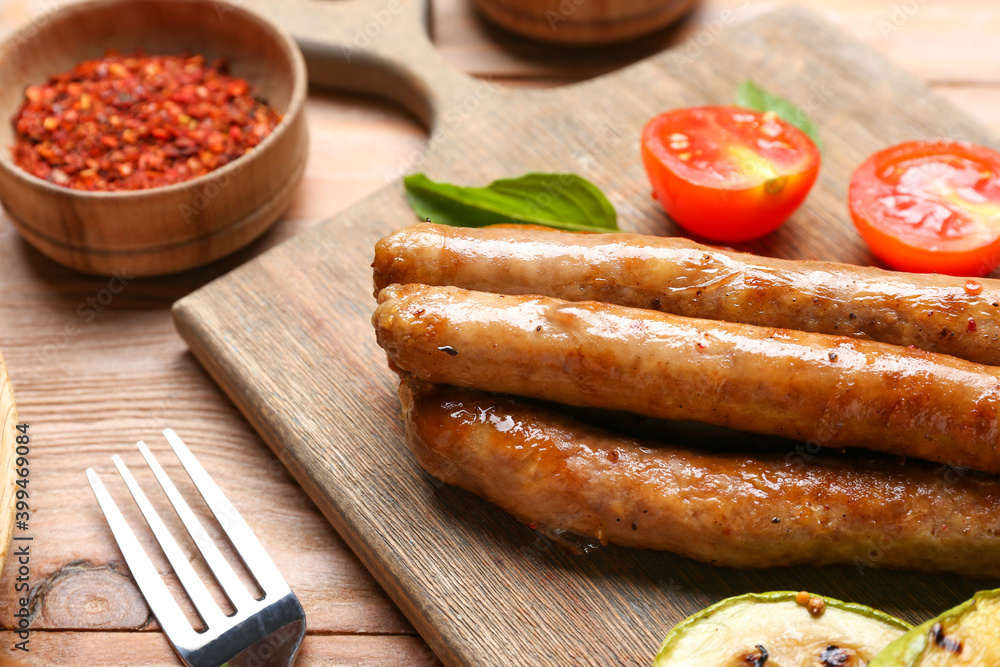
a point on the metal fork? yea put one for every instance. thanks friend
(267, 631)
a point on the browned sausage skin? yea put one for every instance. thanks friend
(830, 390)
(725, 509)
(932, 312)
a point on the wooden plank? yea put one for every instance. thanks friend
(355, 142)
(287, 337)
(112, 649)
(91, 383)
(78, 577)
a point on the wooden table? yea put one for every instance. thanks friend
(95, 371)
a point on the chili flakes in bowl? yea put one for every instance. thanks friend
(136, 122)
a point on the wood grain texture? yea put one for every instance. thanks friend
(93, 379)
(287, 337)
(125, 374)
(159, 230)
(114, 649)
(8, 446)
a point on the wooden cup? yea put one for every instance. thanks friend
(583, 21)
(175, 227)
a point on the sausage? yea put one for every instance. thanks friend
(932, 312)
(832, 391)
(576, 481)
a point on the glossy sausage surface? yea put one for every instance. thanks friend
(573, 480)
(675, 275)
(829, 390)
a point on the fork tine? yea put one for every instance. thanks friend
(162, 604)
(196, 590)
(249, 547)
(221, 570)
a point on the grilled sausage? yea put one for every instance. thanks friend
(932, 312)
(829, 390)
(569, 479)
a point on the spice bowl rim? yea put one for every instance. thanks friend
(48, 194)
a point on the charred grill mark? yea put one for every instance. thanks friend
(834, 656)
(756, 658)
(949, 644)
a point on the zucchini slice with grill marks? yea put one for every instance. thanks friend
(969, 634)
(780, 629)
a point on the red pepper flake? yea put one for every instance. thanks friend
(136, 122)
(972, 287)
(972, 325)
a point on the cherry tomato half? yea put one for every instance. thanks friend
(727, 173)
(930, 206)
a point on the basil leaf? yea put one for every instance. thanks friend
(563, 201)
(752, 96)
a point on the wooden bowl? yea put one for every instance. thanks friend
(583, 21)
(8, 443)
(175, 227)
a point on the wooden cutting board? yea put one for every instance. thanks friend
(288, 336)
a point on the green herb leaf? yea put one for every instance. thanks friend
(752, 96)
(563, 201)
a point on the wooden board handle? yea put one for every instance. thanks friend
(376, 47)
